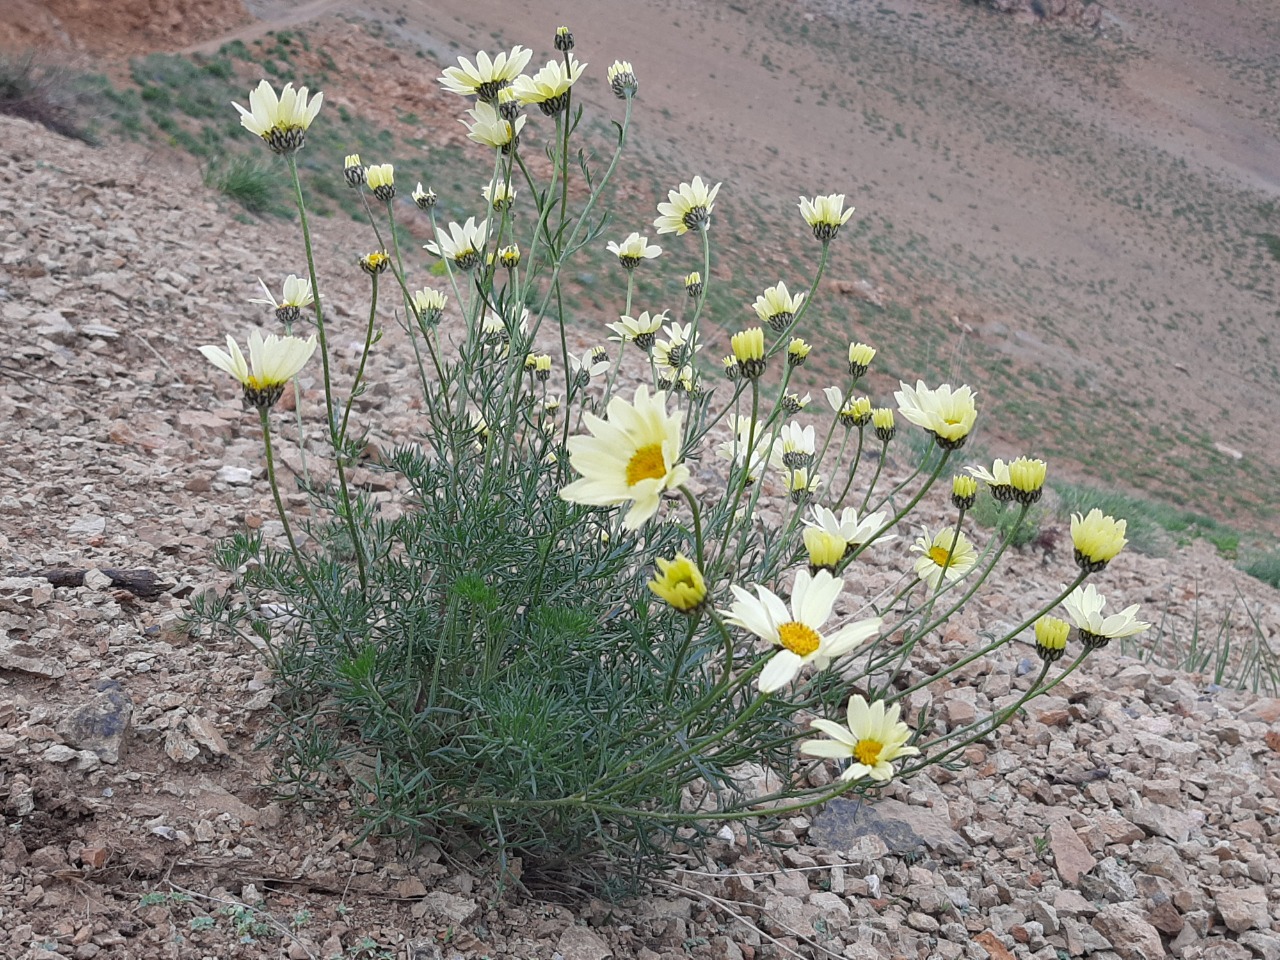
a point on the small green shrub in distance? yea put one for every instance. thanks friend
(562, 647)
(1264, 567)
(1272, 244)
(248, 181)
(1006, 520)
(44, 94)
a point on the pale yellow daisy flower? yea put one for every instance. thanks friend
(632, 457)
(874, 738)
(799, 632)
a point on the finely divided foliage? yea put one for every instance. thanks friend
(582, 635)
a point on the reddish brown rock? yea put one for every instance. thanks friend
(991, 943)
(1070, 855)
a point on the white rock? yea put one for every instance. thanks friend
(87, 526)
(235, 476)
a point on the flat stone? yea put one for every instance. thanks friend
(1178, 752)
(1160, 860)
(235, 476)
(1167, 792)
(1166, 918)
(1119, 830)
(1217, 949)
(960, 713)
(1266, 946)
(1130, 934)
(450, 906)
(1265, 710)
(24, 658)
(58, 753)
(101, 724)
(1070, 855)
(411, 888)
(202, 425)
(991, 943)
(1108, 881)
(832, 906)
(100, 330)
(1161, 821)
(23, 589)
(208, 799)
(580, 943)
(905, 830)
(53, 325)
(90, 525)
(206, 734)
(1243, 909)
(1083, 939)
(95, 579)
(178, 748)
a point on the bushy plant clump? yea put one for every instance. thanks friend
(566, 647)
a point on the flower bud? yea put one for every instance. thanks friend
(826, 549)
(748, 349)
(1097, 539)
(622, 80)
(964, 491)
(381, 179)
(882, 421)
(1026, 477)
(375, 263)
(680, 583)
(860, 357)
(797, 352)
(352, 170)
(1051, 638)
(425, 199)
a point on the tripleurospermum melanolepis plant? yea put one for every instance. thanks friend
(558, 647)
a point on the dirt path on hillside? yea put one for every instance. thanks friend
(276, 18)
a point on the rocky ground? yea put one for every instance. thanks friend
(1134, 814)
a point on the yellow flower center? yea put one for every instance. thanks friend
(941, 555)
(867, 752)
(647, 463)
(801, 639)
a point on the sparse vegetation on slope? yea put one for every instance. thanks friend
(44, 94)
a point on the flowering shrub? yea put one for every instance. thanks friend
(565, 647)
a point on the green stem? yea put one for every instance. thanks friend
(329, 406)
(697, 523)
(364, 359)
(731, 522)
(875, 478)
(1009, 635)
(678, 661)
(853, 468)
(984, 727)
(302, 432)
(321, 333)
(264, 418)
(893, 521)
(613, 373)
(584, 217)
